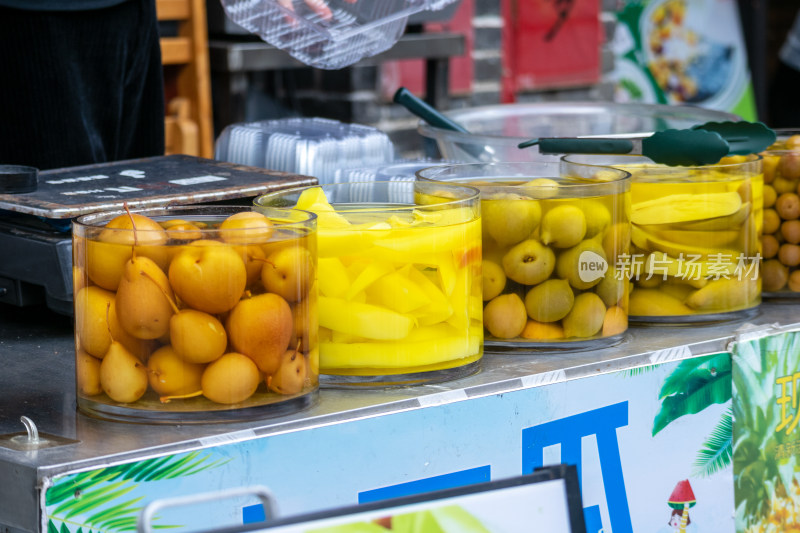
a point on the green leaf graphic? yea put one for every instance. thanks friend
(716, 453)
(698, 395)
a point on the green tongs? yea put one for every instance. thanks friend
(704, 144)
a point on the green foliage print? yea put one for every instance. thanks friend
(98, 501)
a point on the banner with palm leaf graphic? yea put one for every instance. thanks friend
(766, 445)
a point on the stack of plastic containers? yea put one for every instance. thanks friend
(312, 146)
(328, 34)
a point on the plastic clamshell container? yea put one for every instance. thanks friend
(328, 34)
(316, 147)
(399, 280)
(552, 234)
(695, 238)
(199, 314)
(495, 131)
(781, 235)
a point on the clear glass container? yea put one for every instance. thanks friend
(695, 238)
(496, 130)
(195, 314)
(552, 236)
(399, 280)
(781, 234)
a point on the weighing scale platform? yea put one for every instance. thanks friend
(35, 227)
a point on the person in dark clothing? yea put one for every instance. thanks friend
(82, 82)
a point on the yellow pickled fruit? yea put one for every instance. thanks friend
(122, 376)
(653, 302)
(719, 223)
(142, 304)
(231, 379)
(313, 365)
(611, 288)
(789, 166)
(254, 259)
(363, 319)
(794, 281)
(261, 328)
(181, 230)
(585, 319)
(197, 337)
(505, 316)
(208, 276)
(774, 275)
(97, 323)
(529, 262)
(770, 165)
(397, 292)
(569, 264)
(87, 374)
(246, 228)
(289, 273)
(563, 226)
(724, 295)
(549, 301)
(541, 188)
(511, 220)
(678, 208)
(494, 279)
(615, 321)
(333, 278)
(542, 331)
(291, 374)
(598, 217)
(170, 375)
(106, 257)
(770, 196)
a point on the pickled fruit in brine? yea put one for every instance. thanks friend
(196, 313)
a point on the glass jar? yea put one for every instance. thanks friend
(399, 280)
(552, 233)
(195, 314)
(781, 232)
(695, 238)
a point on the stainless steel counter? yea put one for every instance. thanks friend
(37, 381)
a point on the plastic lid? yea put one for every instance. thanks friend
(16, 179)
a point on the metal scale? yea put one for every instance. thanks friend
(35, 227)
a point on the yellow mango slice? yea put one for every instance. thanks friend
(371, 273)
(459, 300)
(447, 272)
(434, 239)
(652, 302)
(720, 223)
(439, 309)
(362, 319)
(724, 295)
(714, 239)
(333, 278)
(313, 196)
(397, 292)
(678, 208)
(653, 243)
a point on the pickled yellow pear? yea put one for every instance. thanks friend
(122, 376)
(261, 328)
(289, 273)
(170, 375)
(306, 323)
(611, 287)
(231, 379)
(510, 221)
(87, 374)
(549, 301)
(291, 374)
(361, 319)
(142, 308)
(254, 258)
(209, 276)
(505, 316)
(542, 188)
(529, 262)
(563, 226)
(571, 264)
(678, 208)
(598, 217)
(107, 255)
(197, 337)
(246, 228)
(586, 317)
(494, 279)
(92, 319)
(615, 321)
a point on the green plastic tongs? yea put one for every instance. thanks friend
(704, 144)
